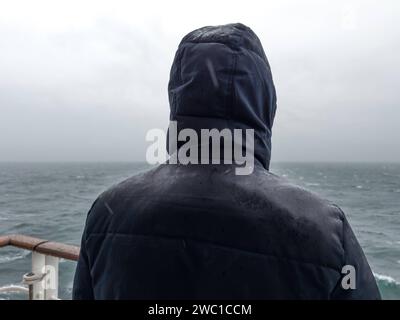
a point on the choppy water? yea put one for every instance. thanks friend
(50, 201)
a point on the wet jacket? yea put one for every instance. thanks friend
(200, 231)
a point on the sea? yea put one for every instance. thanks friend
(51, 200)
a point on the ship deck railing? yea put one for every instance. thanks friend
(41, 282)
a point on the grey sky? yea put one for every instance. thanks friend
(85, 80)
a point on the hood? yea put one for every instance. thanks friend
(221, 78)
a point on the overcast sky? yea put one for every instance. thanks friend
(85, 80)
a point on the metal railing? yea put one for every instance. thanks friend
(42, 280)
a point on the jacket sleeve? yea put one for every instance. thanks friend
(82, 287)
(365, 284)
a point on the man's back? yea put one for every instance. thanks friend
(202, 232)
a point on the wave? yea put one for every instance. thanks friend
(8, 258)
(386, 279)
(312, 184)
(388, 286)
(13, 288)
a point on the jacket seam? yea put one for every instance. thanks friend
(212, 244)
(342, 236)
(230, 105)
(229, 45)
(341, 217)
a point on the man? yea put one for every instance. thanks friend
(201, 231)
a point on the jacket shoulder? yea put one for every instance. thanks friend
(309, 227)
(114, 200)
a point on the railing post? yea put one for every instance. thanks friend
(51, 278)
(43, 280)
(38, 264)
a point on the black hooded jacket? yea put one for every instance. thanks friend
(201, 231)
